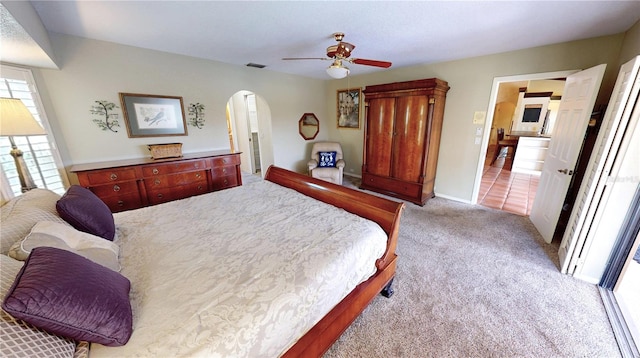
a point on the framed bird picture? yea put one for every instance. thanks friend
(149, 115)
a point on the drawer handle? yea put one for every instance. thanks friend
(160, 195)
(155, 171)
(198, 175)
(120, 203)
(226, 182)
(224, 170)
(196, 165)
(200, 187)
(116, 188)
(157, 181)
(113, 176)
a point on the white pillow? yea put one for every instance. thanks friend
(53, 234)
(19, 338)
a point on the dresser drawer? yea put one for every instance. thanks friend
(168, 181)
(169, 168)
(223, 182)
(229, 160)
(157, 196)
(115, 189)
(395, 186)
(107, 176)
(123, 202)
(223, 171)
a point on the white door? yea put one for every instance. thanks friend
(578, 98)
(266, 136)
(252, 126)
(587, 210)
(240, 129)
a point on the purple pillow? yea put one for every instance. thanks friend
(66, 294)
(86, 212)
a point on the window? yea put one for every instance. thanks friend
(40, 152)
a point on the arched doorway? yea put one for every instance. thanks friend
(249, 126)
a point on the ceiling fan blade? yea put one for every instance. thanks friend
(376, 63)
(305, 58)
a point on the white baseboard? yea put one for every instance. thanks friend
(352, 175)
(452, 198)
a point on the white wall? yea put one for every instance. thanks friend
(96, 70)
(631, 44)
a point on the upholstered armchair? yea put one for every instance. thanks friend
(326, 162)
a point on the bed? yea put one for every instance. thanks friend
(280, 274)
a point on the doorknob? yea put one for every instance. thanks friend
(565, 171)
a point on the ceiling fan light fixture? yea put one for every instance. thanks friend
(337, 71)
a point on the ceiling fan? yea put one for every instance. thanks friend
(340, 53)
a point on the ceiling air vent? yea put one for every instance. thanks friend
(256, 65)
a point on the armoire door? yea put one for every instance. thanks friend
(380, 136)
(409, 143)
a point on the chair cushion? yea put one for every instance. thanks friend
(332, 175)
(86, 212)
(327, 159)
(69, 295)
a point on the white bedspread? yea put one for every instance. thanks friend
(243, 272)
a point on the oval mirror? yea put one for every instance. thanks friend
(309, 126)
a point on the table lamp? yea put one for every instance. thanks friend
(16, 120)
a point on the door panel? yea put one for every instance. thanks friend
(380, 135)
(410, 128)
(616, 119)
(579, 96)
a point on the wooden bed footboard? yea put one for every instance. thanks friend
(384, 212)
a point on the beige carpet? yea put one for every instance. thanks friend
(477, 282)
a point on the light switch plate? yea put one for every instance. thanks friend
(478, 117)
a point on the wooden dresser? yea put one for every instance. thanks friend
(403, 121)
(131, 184)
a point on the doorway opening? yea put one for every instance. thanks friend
(522, 106)
(249, 128)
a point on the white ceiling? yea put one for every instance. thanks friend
(404, 32)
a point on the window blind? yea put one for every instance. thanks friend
(40, 153)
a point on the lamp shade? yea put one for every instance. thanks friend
(338, 71)
(16, 120)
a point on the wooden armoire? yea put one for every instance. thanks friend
(403, 122)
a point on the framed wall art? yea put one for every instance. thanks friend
(348, 108)
(149, 115)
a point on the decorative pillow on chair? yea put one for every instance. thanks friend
(86, 212)
(65, 237)
(327, 159)
(66, 294)
(19, 338)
